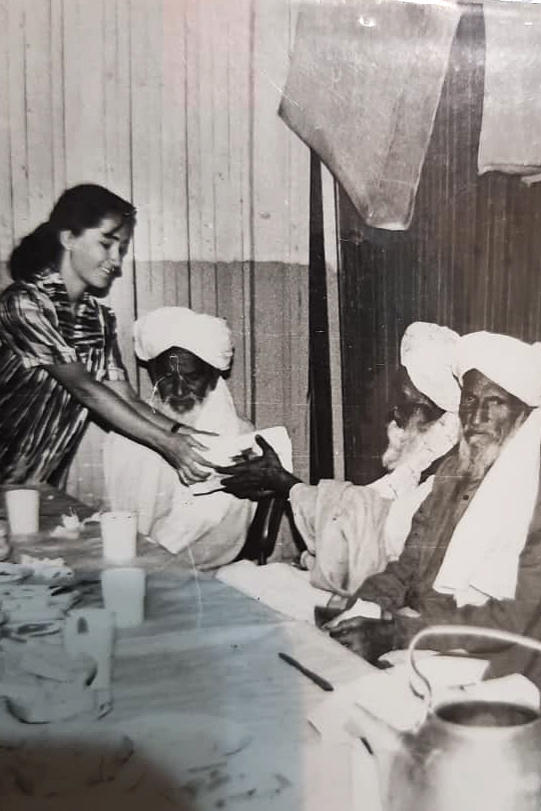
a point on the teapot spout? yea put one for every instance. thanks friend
(383, 741)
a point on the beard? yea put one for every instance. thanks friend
(179, 398)
(475, 458)
(183, 403)
(402, 441)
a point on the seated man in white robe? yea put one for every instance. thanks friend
(353, 531)
(186, 355)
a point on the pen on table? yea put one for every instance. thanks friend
(321, 682)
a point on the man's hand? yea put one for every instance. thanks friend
(258, 477)
(368, 638)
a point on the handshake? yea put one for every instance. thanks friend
(251, 466)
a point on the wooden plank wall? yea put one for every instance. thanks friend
(470, 259)
(171, 103)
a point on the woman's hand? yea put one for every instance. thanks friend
(182, 451)
(259, 477)
(126, 414)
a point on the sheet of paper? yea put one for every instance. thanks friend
(278, 585)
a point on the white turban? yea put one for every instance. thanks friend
(206, 336)
(427, 351)
(512, 364)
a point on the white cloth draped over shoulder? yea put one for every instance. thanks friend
(482, 558)
(209, 528)
(483, 554)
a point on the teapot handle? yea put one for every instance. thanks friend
(461, 630)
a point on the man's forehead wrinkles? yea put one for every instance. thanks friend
(477, 384)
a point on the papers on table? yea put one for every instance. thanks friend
(278, 585)
(388, 696)
(222, 451)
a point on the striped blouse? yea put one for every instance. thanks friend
(41, 423)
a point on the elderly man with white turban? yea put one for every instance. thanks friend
(352, 531)
(473, 555)
(186, 354)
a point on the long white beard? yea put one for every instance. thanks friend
(475, 460)
(402, 441)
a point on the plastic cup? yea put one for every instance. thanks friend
(123, 592)
(22, 506)
(4, 541)
(90, 631)
(119, 536)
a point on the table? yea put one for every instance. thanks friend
(208, 655)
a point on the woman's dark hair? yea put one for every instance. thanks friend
(77, 209)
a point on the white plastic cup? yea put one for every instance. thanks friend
(123, 592)
(91, 631)
(22, 506)
(119, 536)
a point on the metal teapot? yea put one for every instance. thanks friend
(466, 755)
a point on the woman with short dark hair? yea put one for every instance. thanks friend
(59, 355)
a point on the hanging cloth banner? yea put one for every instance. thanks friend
(362, 91)
(510, 138)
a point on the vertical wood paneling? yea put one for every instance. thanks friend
(6, 217)
(201, 30)
(84, 89)
(117, 97)
(56, 81)
(230, 282)
(38, 109)
(230, 65)
(268, 344)
(172, 103)
(248, 330)
(20, 193)
(239, 81)
(294, 370)
(174, 168)
(207, 123)
(146, 124)
(267, 139)
(272, 177)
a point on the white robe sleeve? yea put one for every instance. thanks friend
(303, 500)
(342, 525)
(139, 480)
